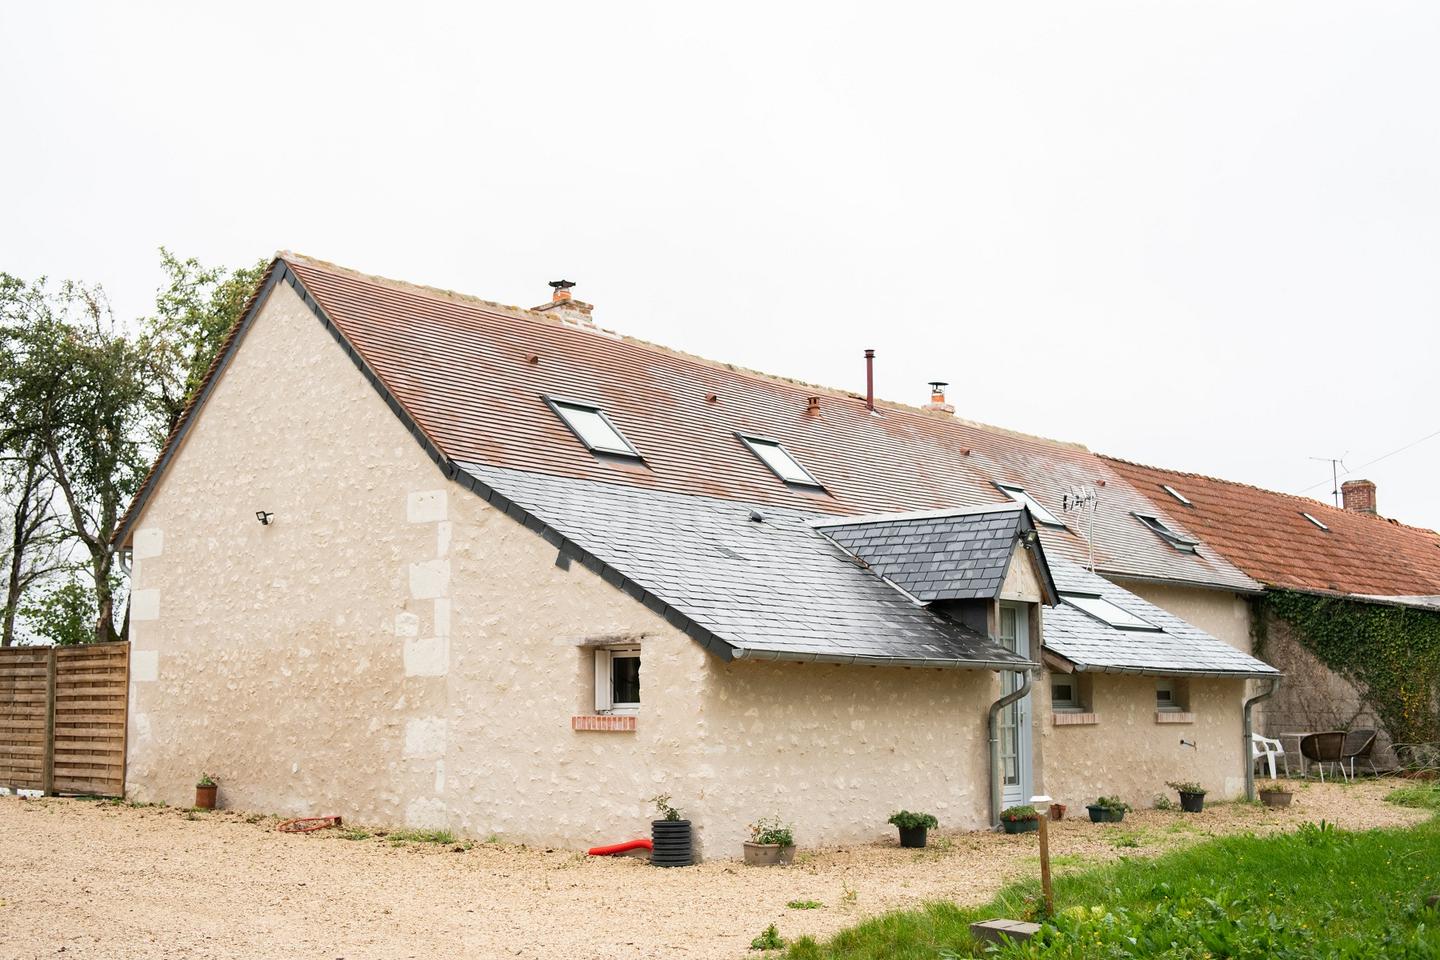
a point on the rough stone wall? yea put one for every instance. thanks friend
(1312, 698)
(1126, 752)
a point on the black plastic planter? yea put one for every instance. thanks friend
(912, 836)
(1192, 802)
(672, 845)
(1104, 814)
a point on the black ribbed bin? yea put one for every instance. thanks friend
(672, 843)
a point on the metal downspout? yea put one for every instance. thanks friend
(995, 773)
(1246, 752)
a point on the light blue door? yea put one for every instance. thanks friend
(1015, 719)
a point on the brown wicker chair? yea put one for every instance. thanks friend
(1359, 745)
(1323, 748)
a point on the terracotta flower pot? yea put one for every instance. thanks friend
(1276, 798)
(205, 797)
(1057, 811)
(768, 854)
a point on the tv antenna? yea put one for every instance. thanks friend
(1084, 501)
(1336, 463)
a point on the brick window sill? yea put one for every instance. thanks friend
(1075, 719)
(1170, 716)
(611, 723)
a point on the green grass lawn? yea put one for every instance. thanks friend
(1317, 893)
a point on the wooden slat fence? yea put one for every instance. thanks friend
(62, 718)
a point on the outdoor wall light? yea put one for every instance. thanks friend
(264, 517)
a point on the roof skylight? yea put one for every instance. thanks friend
(780, 462)
(589, 423)
(1107, 612)
(1179, 542)
(1313, 520)
(1037, 511)
(1176, 494)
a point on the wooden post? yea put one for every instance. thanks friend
(47, 773)
(1042, 806)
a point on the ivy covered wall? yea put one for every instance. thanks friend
(1390, 655)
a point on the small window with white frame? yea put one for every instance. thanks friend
(1169, 695)
(617, 680)
(1065, 693)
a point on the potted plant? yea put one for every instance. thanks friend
(771, 842)
(1057, 811)
(1276, 796)
(1192, 795)
(205, 789)
(671, 840)
(913, 827)
(1020, 819)
(1107, 810)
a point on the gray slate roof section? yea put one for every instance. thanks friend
(776, 589)
(1177, 649)
(957, 557)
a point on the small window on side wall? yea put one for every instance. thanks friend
(1170, 696)
(1065, 693)
(617, 680)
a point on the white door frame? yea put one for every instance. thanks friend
(1018, 713)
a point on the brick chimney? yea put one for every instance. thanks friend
(1359, 496)
(937, 398)
(565, 307)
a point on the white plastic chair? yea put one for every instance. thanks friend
(1264, 747)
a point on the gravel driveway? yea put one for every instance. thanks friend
(83, 879)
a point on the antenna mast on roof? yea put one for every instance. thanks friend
(1335, 464)
(1084, 500)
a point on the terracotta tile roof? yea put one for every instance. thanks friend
(1264, 533)
(469, 377)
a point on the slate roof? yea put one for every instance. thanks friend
(468, 376)
(1263, 533)
(946, 555)
(773, 589)
(1178, 648)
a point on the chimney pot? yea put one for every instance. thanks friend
(565, 307)
(1359, 496)
(937, 398)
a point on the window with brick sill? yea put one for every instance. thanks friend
(617, 691)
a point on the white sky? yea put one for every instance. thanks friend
(1200, 235)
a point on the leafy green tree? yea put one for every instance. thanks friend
(33, 544)
(75, 387)
(63, 613)
(194, 312)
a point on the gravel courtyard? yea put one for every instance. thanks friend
(84, 879)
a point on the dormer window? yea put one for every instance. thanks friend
(589, 423)
(1182, 543)
(780, 462)
(1107, 612)
(1019, 495)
